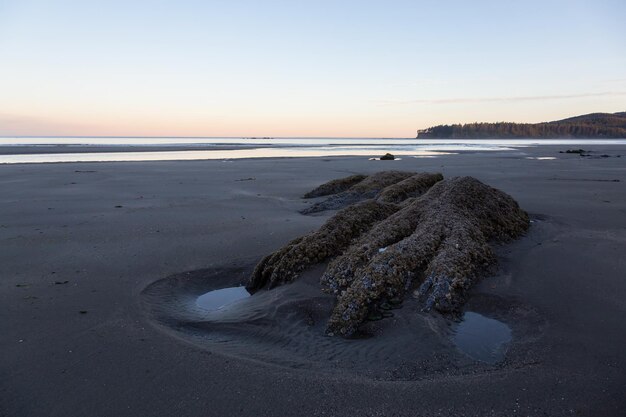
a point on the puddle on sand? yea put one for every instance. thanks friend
(218, 299)
(482, 338)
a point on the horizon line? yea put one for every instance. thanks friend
(265, 137)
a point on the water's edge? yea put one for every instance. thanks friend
(174, 149)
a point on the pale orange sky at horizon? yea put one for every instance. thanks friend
(385, 121)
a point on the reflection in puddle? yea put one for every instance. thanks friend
(541, 158)
(218, 299)
(482, 338)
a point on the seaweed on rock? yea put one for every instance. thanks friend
(339, 231)
(365, 189)
(332, 238)
(413, 186)
(442, 237)
(335, 186)
(418, 230)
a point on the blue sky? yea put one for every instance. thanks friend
(295, 68)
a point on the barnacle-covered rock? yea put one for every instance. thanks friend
(448, 247)
(335, 186)
(411, 230)
(365, 189)
(338, 232)
(331, 239)
(413, 186)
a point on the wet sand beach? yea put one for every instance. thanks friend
(101, 264)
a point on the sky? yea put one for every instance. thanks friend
(338, 68)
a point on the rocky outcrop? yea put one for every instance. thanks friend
(399, 231)
(367, 188)
(439, 241)
(341, 229)
(335, 186)
(332, 238)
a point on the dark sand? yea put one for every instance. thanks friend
(91, 326)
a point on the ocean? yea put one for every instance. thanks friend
(63, 149)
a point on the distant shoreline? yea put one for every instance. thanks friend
(590, 126)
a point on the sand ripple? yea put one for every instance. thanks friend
(286, 326)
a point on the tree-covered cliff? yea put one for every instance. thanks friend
(594, 125)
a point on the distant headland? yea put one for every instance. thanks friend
(593, 125)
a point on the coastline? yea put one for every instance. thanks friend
(273, 148)
(179, 216)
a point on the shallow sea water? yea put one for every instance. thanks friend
(264, 147)
(191, 155)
